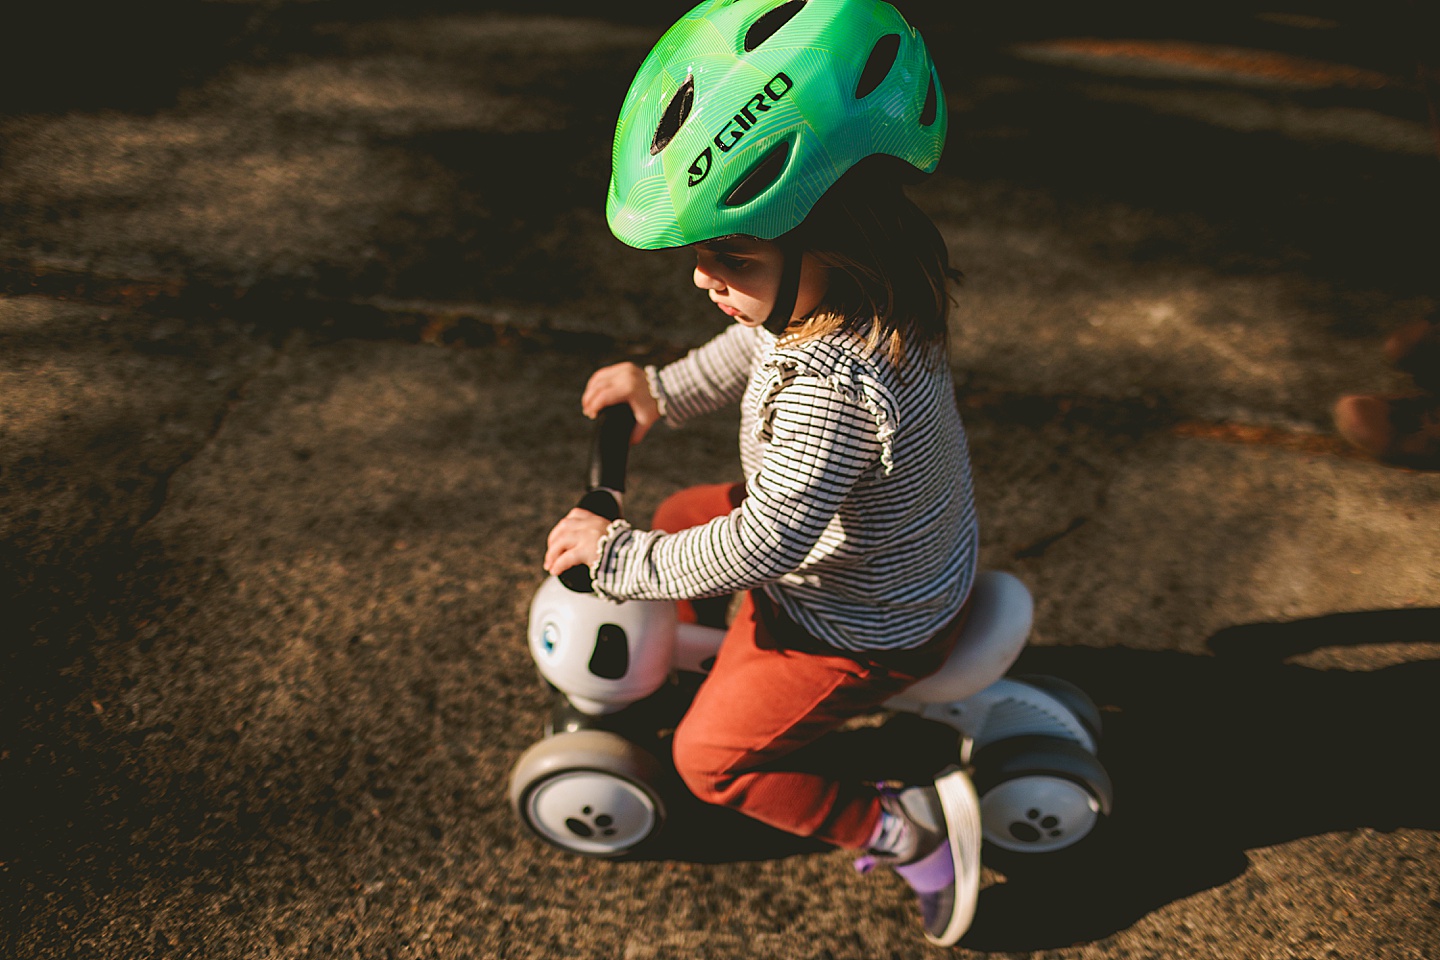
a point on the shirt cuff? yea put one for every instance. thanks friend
(657, 390)
(616, 535)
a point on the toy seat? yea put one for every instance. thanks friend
(1001, 612)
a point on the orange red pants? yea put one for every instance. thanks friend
(775, 690)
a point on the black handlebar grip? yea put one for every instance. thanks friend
(609, 452)
(601, 503)
(610, 448)
(577, 578)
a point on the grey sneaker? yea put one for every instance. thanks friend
(924, 829)
(940, 857)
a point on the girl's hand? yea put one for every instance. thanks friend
(622, 383)
(574, 541)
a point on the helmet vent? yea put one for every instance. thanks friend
(931, 108)
(765, 28)
(877, 68)
(675, 116)
(759, 179)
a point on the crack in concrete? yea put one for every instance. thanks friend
(1038, 547)
(160, 492)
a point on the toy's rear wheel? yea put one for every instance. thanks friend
(591, 792)
(1076, 700)
(1040, 794)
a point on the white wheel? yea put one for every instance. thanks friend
(1076, 700)
(1040, 794)
(1037, 814)
(591, 792)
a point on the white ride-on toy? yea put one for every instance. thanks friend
(596, 784)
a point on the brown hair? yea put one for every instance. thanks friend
(889, 269)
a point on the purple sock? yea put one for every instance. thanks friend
(933, 872)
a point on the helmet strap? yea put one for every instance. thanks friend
(789, 289)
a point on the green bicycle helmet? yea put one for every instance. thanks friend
(747, 111)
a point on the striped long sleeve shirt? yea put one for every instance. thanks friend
(859, 518)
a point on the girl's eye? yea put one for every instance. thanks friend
(730, 263)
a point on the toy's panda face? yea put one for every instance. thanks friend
(602, 655)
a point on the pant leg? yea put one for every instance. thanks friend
(693, 507)
(741, 743)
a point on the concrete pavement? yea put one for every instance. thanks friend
(294, 322)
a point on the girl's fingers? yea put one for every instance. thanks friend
(620, 383)
(561, 539)
(600, 392)
(552, 564)
(552, 553)
(593, 401)
(568, 540)
(559, 559)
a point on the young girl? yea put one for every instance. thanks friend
(769, 136)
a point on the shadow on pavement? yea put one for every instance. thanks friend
(73, 54)
(1211, 757)
(362, 763)
(1214, 756)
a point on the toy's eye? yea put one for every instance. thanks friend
(549, 637)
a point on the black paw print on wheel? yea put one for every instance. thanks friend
(1035, 826)
(602, 824)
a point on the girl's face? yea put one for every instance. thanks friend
(742, 277)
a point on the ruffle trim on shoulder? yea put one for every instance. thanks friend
(851, 380)
(778, 375)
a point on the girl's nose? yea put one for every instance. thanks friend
(707, 281)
